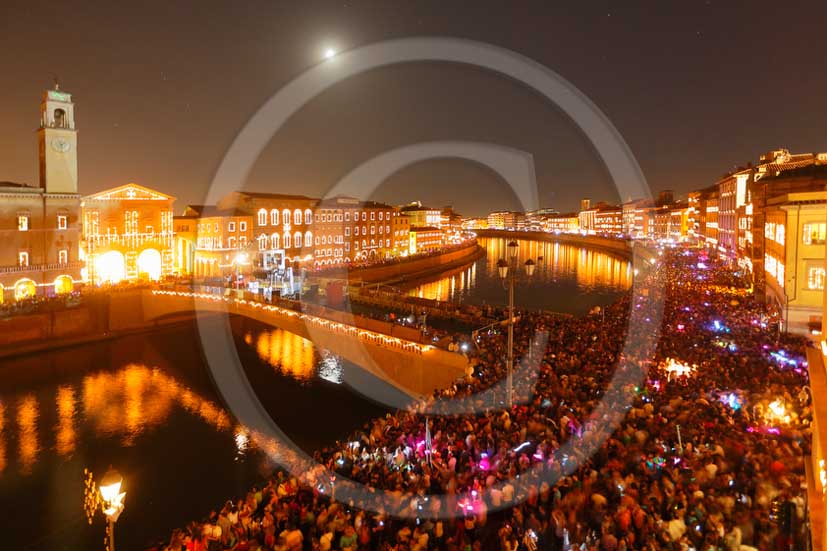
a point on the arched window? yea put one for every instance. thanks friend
(297, 238)
(308, 239)
(262, 242)
(287, 240)
(285, 217)
(297, 217)
(262, 217)
(60, 118)
(364, 243)
(231, 243)
(274, 217)
(308, 216)
(274, 241)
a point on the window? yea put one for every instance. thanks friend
(308, 239)
(373, 216)
(364, 216)
(62, 256)
(347, 217)
(274, 217)
(373, 230)
(779, 234)
(364, 230)
(364, 243)
(274, 241)
(387, 229)
(285, 217)
(262, 242)
(347, 247)
(381, 229)
(297, 217)
(62, 221)
(324, 240)
(317, 241)
(387, 242)
(297, 238)
(815, 233)
(23, 258)
(347, 232)
(151, 231)
(356, 230)
(231, 226)
(262, 217)
(381, 215)
(242, 241)
(769, 230)
(815, 278)
(287, 239)
(231, 242)
(308, 216)
(23, 224)
(242, 226)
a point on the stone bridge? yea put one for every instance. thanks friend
(414, 368)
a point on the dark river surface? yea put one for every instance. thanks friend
(146, 405)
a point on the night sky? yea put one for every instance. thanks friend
(162, 88)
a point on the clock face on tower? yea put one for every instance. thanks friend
(60, 145)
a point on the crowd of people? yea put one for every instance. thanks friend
(708, 455)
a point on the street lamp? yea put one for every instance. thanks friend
(110, 498)
(504, 267)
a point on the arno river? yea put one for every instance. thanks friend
(146, 405)
(566, 279)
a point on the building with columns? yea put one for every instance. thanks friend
(40, 226)
(127, 234)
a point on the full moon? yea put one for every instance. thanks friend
(329, 53)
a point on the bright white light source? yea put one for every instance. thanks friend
(329, 53)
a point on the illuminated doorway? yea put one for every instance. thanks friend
(149, 264)
(25, 288)
(110, 267)
(64, 285)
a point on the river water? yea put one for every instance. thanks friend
(146, 405)
(567, 278)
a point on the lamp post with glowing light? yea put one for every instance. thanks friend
(109, 497)
(508, 272)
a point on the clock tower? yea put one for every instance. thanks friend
(58, 142)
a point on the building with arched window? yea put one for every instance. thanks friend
(128, 233)
(40, 225)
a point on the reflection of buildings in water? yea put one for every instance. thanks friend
(28, 411)
(126, 403)
(588, 268)
(291, 354)
(65, 430)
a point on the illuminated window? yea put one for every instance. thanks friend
(23, 258)
(769, 230)
(815, 278)
(297, 217)
(242, 226)
(815, 233)
(23, 223)
(287, 240)
(274, 241)
(364, 216)
(231, 226)
(285, 217)
(347, 217)
(347, 232)
(308, 216)
(780, 273)
(262, 217)
(297, 239)
(262, 242)
(62, 221)
(779, 234)
(381, 216)
(63, 256)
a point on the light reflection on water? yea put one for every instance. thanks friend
(295, 356)
(562, 265)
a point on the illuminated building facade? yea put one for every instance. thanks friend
(224, 242)
(420, 215)
(127, 234)
(602, 219)
(425, 239)
(732, 194)
(795, 234)
(282, 227)
(504, 220)
(349, 229)
(564, 223)
(41, 225)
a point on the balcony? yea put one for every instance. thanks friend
(129, 240)
(41, 267)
